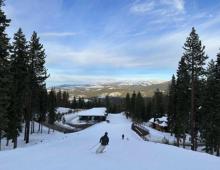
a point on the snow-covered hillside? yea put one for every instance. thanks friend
(74, 151)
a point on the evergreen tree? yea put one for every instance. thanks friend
(133, 105)
(74, 103)
(208, 109)
(217, 104)
(172, 105)
(37, 74)
(158, 107)
(51, 107)
(195, 58)
(127, 104)
(59, 98)
(5, 78)
(181, 124)
(43, 102)
(148, 113)
(107, 104)
(210, 128)
(65, 99)
(19, 64)
(99, 102)
(140, 107)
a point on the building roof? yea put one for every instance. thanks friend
(63, 110)
(97, 111)
(162, 121)
(151, 120)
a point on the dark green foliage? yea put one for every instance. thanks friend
(65, 100)
(22, 81)
(133, 105)
(43, 104)
(210, 117)
(5, 78)
(195, 57)
(59, 98)
(51, 106)
(217, 102)
(140, 107)
(148, 109)
(107, 104)
(74, 103)
(181, 124)
(172, 105)
(19, 72)
(158, 104)
(37, 74)
(127, 104)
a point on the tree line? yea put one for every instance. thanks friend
(22, 81)
(194, 97)
(141, 108)
(192, 103)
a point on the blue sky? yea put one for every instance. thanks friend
(96, 40)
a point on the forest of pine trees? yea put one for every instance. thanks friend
(140, 108)
(194, 97)
(22, 82)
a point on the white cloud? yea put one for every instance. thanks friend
(177, 4)
(142, 7)
(57, 34)
(91, 56)
(159, 7)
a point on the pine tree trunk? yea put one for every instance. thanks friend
(218, 150)
(178, 141)
(211, 150)
(29, 116)
(28, 131)
(38, 128)
(15, 142)
(25, 131)
(48, 130)
(41, 130)
(7, 142)
(193, 109)
(184, 142)
(196, 142)
(33, 125)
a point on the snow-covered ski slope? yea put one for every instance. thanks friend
(73, 152)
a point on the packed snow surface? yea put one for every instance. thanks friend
(77, 151)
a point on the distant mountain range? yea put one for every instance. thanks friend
(114, 88)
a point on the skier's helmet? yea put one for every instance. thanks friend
(106, 133)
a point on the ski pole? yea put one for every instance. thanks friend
(93, 146)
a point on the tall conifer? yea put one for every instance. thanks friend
(195, 57)
(4, 70)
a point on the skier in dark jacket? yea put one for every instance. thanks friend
(104, 141)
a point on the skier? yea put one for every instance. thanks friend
(104, 141)
(123, 136)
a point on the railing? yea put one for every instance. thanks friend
(140, 130)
